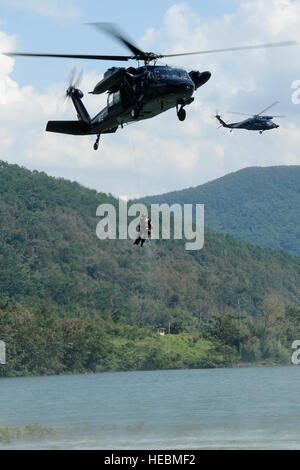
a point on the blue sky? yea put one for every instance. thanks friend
(161, 154)
(46, 30)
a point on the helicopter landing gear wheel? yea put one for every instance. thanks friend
(134, 113)
(181, 113)
(260, 132)
(96, 144)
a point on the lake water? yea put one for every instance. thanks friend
(248, 408)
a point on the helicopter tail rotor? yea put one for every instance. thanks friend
(75, 94)
(216, 116)
(73, 82)
(221, 122)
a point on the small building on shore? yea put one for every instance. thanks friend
(161, 331)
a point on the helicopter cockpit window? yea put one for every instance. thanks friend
(183, 75)
(171, 74)
(117, 97)
(110, 99)
(179, 74)
(113, 98)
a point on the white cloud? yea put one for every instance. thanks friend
(164, 154)
(6, 140)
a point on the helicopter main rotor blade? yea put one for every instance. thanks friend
(241, 114)
(266, 109)
(71, 56)
(112, 30)
(240, 48)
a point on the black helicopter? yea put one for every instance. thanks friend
(256, 122)
(133, 93)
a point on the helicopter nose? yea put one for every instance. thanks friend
(184, 88)
(200, 78)
(205, 76)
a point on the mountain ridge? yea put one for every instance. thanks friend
(260, 205)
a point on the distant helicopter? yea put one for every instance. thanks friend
(133, 93)
(255, 123)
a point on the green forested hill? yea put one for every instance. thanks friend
(70, 302)
(49, 251)
(257, 205)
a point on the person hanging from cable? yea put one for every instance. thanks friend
(149, 227)
(144, 229)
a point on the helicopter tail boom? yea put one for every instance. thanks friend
(80, 127)
(75, 94)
